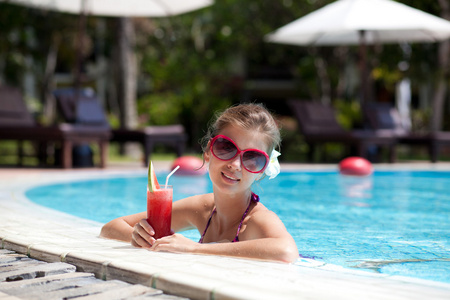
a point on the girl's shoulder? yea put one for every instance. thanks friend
(203, 202)
(260, 208)
(194, 210)
(261, 214)
(263, 223)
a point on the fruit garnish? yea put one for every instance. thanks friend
(152, 180)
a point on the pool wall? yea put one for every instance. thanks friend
(52, 236)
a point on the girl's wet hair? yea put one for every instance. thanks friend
(254, 117)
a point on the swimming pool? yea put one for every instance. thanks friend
(395, 223)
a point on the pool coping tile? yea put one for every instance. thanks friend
(131, 272)
(193, 286)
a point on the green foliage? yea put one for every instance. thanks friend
(348, 113)
(9, 151)
(113, 121)
(294, 147)
(160, 108)
(307, 74)
(28, 34)
(420, 120)
(388, 76)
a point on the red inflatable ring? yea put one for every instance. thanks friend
(189, 165)
(355, 166)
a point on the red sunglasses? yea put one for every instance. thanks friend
(253, 160)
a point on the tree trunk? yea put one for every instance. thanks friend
(322, 73)
(441, 89)
(47, 81)
(126, 82)
(127, 73)
(324, 80)
(342, 55)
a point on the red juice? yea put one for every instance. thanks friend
(159, 210)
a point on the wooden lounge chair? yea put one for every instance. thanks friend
(317, 122)
(385, 117)
(16, 123)
(87, 110)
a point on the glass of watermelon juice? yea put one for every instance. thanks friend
(159, 210)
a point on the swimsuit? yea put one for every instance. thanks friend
(254, 198)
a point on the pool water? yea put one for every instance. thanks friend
(395, 223)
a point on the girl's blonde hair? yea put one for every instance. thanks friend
(254, 117)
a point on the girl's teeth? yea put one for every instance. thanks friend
(229, 177)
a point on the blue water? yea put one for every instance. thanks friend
(392, 222)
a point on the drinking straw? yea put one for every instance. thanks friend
(168, 176)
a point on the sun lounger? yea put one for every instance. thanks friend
(385, 117)
(16, 123)
(87, 110)
(318, 125)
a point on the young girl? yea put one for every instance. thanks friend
(238, 149)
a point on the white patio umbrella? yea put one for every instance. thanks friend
(117, 8)
(362, 22)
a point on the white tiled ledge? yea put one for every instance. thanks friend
(54, 236)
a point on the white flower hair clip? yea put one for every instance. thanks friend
(273, 168)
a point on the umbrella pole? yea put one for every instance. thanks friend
(363, 66)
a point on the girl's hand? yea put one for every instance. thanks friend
(176, 243)
(142, 235)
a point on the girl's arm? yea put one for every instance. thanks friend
(186, 214)
(122, 228)
(264, 237)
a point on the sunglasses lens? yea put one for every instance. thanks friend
(254, 161)
(224, 149)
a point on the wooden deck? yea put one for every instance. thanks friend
(24, 278)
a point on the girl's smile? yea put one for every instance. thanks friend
(230, 178)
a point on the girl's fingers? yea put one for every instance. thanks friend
(175, 243)
(144, 224)
(138, 241)
(158, 244)
(141, 237)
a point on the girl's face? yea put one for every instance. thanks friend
(230, 176)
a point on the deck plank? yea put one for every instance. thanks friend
(35, 271)
(93, 288)
(5, 259)
(4, 296)
(123, 293)
(52, 286)
(14, 265)
(31, 283)
(24, 278)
